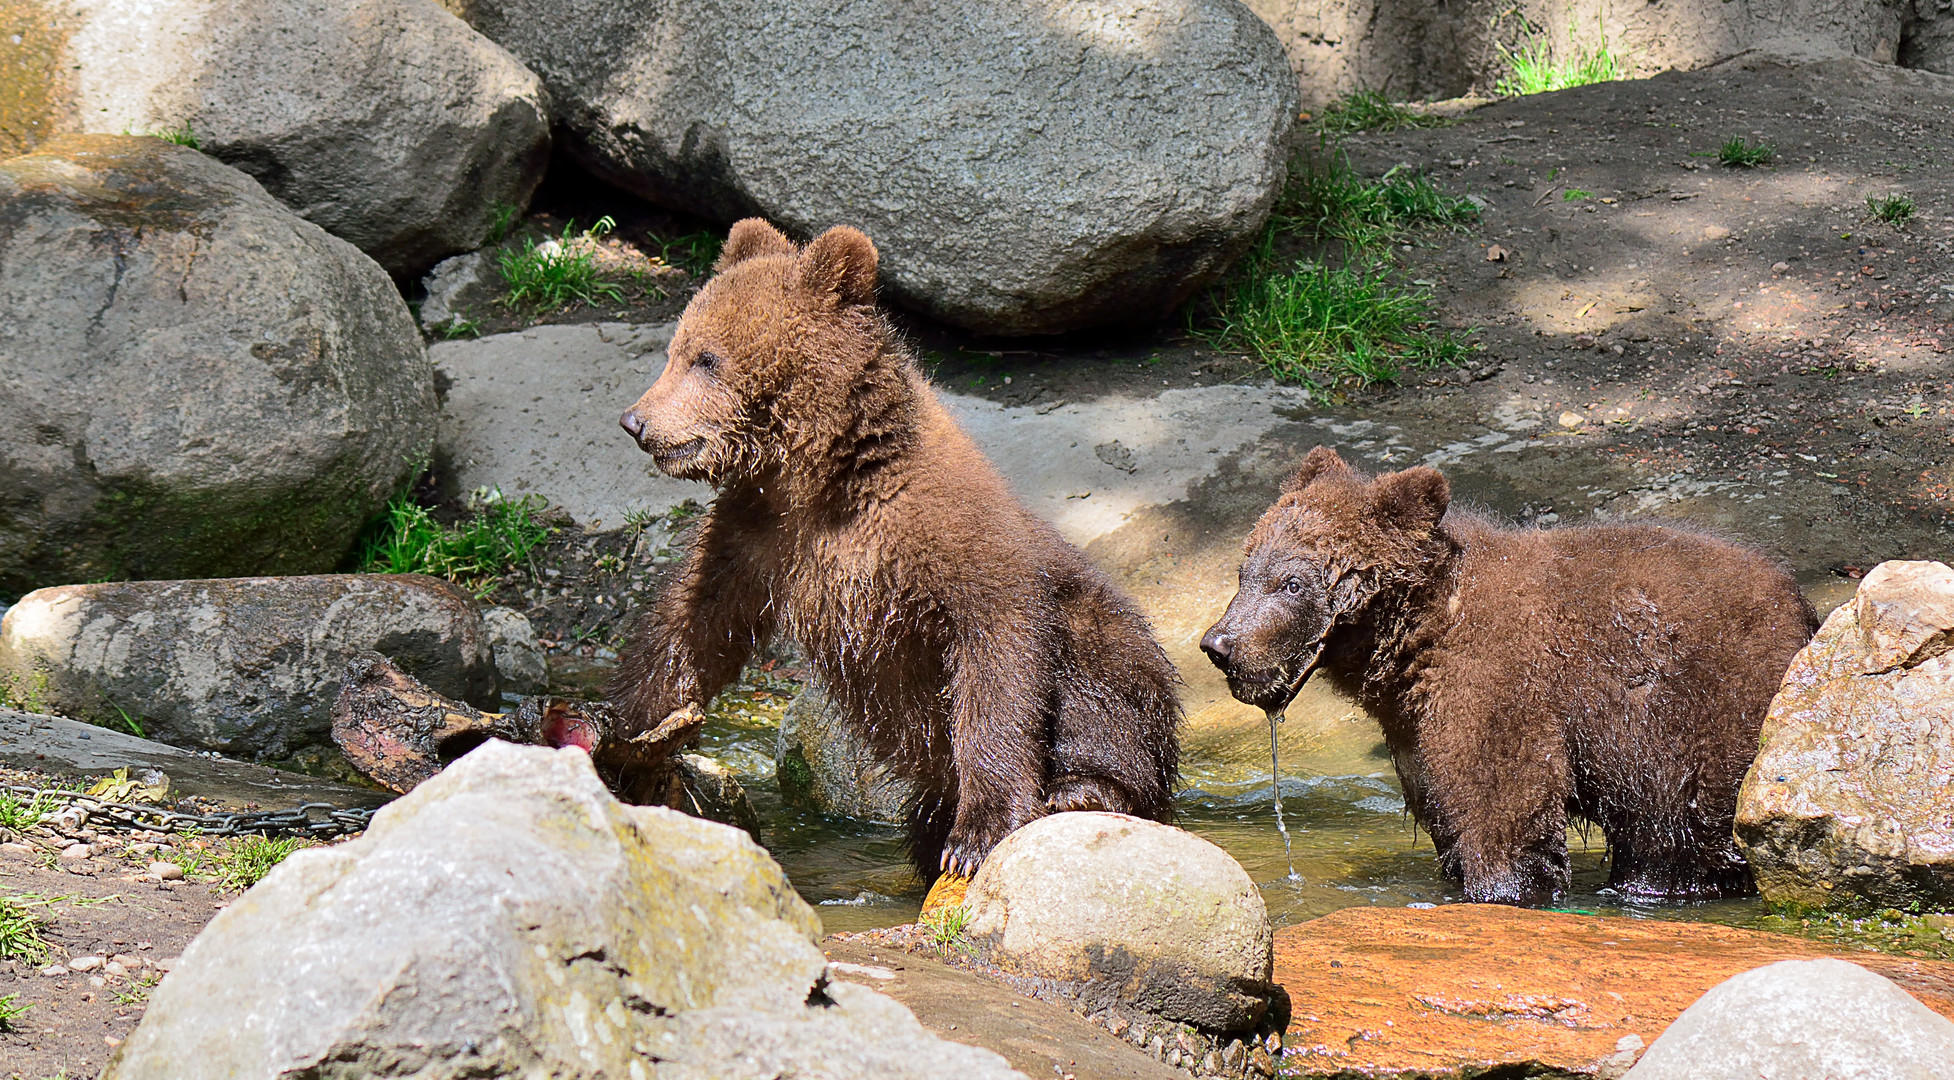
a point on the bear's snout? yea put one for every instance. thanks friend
(1217, 644)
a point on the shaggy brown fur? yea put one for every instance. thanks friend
(1615, 672)
(975, 649)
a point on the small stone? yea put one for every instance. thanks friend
(16, 849)
(1174, 1058)
(1260, 1062)
(1572, 419)
(1233, 1057)
(114, 968)
(1116, 1024)
(85, 963)
(1780, 267)
(166, 871)
(77, 851)
(1274, 1042)
(97, 981)
(1189, 1047)
(168, 963)
(54, 971)
(1630, 1042)
(1157, 1049)
(1715, 232)
(1211, 1063)
(144, 848)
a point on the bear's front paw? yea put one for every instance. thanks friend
(973, 837)
(1074, 793)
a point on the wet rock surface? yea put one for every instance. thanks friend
(1135, 913)
(1832, 813)
(510, 917)
(1803, 1018)
(1022, 168)
(820, 760)
(389, 123)
(246, 666)
(269, 388)
(1462, 990)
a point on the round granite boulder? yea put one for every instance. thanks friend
(194, 381)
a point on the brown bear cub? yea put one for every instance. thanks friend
(972, 647)
(1616, 672)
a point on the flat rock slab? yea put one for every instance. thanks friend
(1038, 1038)
(1458, 990)
(53, 744)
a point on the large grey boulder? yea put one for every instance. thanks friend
(387, 122)
(1125, 911)
(194, 381)
(1803, 1018)
(246, 666)
(820, 760)
(1022, 167)
(1832, 812)
(1418, 49)
(510, 919)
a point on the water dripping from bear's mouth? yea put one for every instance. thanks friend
(1275, 791)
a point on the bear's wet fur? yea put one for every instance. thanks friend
(1616, 672)
(975, 649)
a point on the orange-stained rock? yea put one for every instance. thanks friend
(946, 893)
(1455, 990)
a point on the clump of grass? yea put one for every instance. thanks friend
(12, 1009)
(182, 136)
(248, 861)
(693, 253)
(1739, 154)
(1327, 200)
(459, 326)
(1535, 71)
(1369, 110)
(1895, 210)
(496, 535)
(1303, 319)
(1575, 194)
(946, 926)
(20, 929)
(19, 815)
(502, 220)
(558, 270)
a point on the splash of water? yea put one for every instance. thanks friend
(1275, 790)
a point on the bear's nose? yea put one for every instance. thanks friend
(1217, 645)
(633, 426)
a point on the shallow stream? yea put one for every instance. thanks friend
(1353, 842)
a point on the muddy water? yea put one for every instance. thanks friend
(1352, 842)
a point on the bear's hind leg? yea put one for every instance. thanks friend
(1653, 859)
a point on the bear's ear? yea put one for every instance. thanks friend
(750, 238)
(840, 263)
(1413, 499)
(1322, 461)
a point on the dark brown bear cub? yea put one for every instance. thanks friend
(976, 650)
(1616, 672)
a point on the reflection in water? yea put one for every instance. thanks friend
(1353, 842)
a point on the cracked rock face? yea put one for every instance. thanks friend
(1023, 168)
(194, 381)
(1846, 804)
(509, 918)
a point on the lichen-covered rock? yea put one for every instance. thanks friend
(389, 123)
(1126, 911)
(194, 382)
(519, 663)
(1839, 809)
(1417, 49)
(1803, 1018)
(819, 759)
(247, 666)
(509, 918)
(1022, 167)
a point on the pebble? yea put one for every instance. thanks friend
(1780, 267)
(166, 871)
(86, 963)
(17, 849)
(115, 968)
(97, 981)
(53, 970)
(77, 851)
(168, 963)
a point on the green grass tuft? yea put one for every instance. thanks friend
(12, 1009)
(20, 930)
(1738, 154)
(1327, 200)
(19, 815)
(497, 535)
(1895, 210)
(693, 253)
(1535, 71)
(502, 220)
(1575, 194)
(248, 860)
(558, 270)
(182, 136)
(946, 926)
(1368, 110)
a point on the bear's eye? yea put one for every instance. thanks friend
(709, 362)
(1292, 586)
